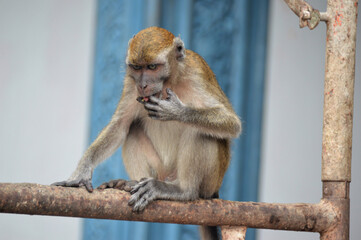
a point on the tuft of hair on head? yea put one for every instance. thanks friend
(145, 46)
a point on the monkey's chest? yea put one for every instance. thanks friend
(166, 138)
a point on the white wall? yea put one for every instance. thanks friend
(45, 74)
(292, 140)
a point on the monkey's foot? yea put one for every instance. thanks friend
(144, 192)
(120, 184)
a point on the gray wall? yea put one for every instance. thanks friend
(45, 72)
(292, 141)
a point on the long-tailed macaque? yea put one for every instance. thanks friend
(174, 122)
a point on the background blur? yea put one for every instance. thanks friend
(47, 50)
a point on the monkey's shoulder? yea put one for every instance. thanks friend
(208, 79)
(195, 61)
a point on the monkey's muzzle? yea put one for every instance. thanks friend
(147, 98)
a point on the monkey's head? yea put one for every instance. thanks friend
(153, 54)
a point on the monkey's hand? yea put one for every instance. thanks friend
(78, 179)
(168, 109)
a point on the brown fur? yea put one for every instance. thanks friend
(148, 43)
(187, 153)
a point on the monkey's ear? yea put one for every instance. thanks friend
(180, 52)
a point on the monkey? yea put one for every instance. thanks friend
(174, 122)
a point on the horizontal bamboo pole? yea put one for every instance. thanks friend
(26, 198)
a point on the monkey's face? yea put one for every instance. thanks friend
(149, 78)
(151, 55)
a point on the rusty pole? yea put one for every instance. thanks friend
(338, 111)
(38, 199)
(341, 20)
(233, 232)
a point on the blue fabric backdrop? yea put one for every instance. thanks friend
(231, 36)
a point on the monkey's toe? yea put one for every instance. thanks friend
(120, 184)
(143, 194)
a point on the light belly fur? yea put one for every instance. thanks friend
(166, 138)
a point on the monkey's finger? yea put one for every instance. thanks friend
(144, 201)
(154, 99)
(88, 186)
(102, 187)
(74, 183)
(154, 107)
(112, 184)
(62, 183)
(151, 112)
(129, 185)
(105, 185)
(140, 205)
(139, 189)
(170, 92)
(159, 116)
(132, 200)
(120, 185)
(153, 115)
(77, 183)
(137, 196)
(135, 189)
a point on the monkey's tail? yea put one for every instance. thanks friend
(210, 232)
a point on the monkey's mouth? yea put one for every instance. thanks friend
(144, 99)
(147, 98)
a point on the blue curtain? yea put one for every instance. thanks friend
(231, 36)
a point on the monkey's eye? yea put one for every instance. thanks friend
(152, 66)
(135, 67)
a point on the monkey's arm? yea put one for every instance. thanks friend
(109, 139)
(215, 120)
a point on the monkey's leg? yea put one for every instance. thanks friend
(140, 159)
(197, 175)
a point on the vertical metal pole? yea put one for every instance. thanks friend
(338, 111)
(233, 232)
